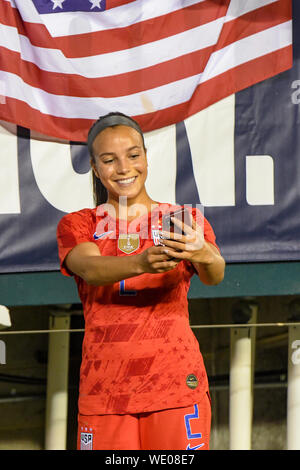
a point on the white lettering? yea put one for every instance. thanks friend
(211, 138)
(296, 95)
(161, 156)
(61, 186)
(296, 354)
(9, 175)
(259, 180)
(116, 460)
(107, 225)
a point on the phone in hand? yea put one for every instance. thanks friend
(183, 215)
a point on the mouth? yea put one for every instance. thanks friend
(126, 181)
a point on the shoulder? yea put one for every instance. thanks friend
(83, 217)
(168, 207)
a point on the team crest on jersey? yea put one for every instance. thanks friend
(86, 441)
(128, 242)
(155, 235)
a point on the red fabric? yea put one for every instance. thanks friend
(138, 349)
(177, 429)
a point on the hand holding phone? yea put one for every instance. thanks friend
(182, 215)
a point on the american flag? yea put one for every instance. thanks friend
(63, 63)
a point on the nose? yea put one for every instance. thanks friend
(122, 166)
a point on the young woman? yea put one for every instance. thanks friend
(143, 384)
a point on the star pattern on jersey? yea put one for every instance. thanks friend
(137, 381)
(57, 3)
(95, 4)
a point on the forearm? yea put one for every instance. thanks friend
(211, 270)
(103, 270)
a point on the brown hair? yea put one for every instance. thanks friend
(109, 120)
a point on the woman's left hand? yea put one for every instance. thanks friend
(192, 247)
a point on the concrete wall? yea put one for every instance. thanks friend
(22, 422)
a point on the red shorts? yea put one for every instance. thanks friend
(174, 429)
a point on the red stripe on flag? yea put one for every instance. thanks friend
(254, 22)
(102, 42)
(149, 77)
(116, 3)
(89, 44)
(22, 114)
(220, 87)
(206, 94)
(105, 87)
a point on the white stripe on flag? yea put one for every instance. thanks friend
(61, 24)
(114, 63)
(137, 58)
(241, 7)
(248, 49)
(161, 97)
(29, 12)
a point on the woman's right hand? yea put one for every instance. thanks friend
(154, 260)
(86, 261)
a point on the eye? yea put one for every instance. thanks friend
(108, 161)
(134, 156)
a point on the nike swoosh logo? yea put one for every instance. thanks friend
(194, 448)
(102, 235)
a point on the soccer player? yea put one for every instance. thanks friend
(143, 383)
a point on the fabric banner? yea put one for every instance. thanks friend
(65, 62)
(238, 158)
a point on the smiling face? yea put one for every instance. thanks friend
(120, 163)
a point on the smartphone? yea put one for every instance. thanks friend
(183, 215)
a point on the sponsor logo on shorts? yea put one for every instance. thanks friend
(86, 441)
(192, 381)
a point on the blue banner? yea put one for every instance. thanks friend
(239, 159)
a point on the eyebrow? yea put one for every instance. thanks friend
(112, 153)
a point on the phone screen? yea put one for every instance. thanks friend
(183, 215)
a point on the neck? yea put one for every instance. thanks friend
(130, 209)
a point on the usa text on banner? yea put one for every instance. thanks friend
(65, 62)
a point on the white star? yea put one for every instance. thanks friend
(57, 3)
(95, 3)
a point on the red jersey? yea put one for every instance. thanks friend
(139, 353)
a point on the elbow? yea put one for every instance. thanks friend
(91, 282)
(92, 279)
(211, 281)
(214, 277)
(219, 276)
